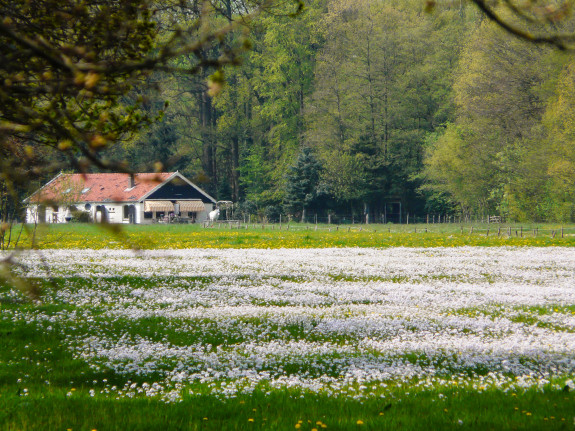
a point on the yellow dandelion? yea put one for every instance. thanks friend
(359, 422)
(297, 426)
(250, 420)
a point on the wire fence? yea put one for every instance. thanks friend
(485, 228)
(368, 218)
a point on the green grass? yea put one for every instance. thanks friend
(48, 407)
(298, 236)
(53, 393)
(283, 410)
(43, 387)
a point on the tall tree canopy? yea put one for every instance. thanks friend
(441, 111)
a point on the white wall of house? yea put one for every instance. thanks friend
(115, 213)
(50, 214)
(32, 214)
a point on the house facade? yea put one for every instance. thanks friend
(119, 198)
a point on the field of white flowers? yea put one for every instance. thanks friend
(349, 322)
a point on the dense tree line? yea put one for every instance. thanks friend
(357, 86)
(346, 107)
(351, 106)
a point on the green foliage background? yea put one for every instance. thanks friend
(443, 112)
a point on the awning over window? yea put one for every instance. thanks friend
(158, 206)
(191, 206)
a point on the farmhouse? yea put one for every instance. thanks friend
(119, 198)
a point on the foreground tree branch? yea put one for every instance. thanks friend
(519, 20)
(67, 67)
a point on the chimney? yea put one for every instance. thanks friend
(132, 181)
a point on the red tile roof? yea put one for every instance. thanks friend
(76, 188)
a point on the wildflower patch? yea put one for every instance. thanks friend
(346, 323)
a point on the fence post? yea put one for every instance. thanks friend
(561, 231)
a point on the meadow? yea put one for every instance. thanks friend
(330, 337)
(294, 235)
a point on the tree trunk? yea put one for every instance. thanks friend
(235, 168)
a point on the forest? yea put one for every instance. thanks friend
(358, 108)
